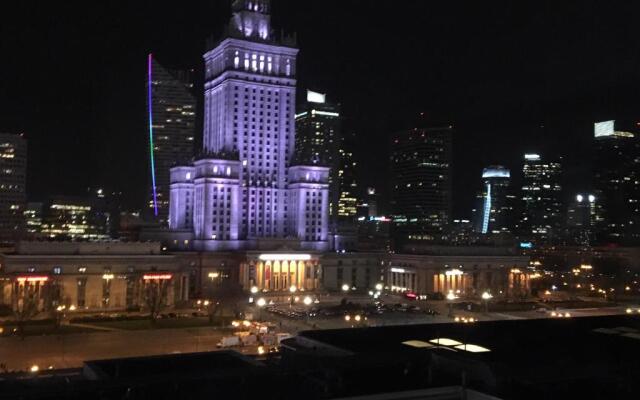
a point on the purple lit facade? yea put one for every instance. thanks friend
(243, 190)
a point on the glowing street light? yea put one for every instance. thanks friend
(450, 298)
(379, 287)
(293, 288)
(261, 302)
(254, 289)
(345, 288)
(307, 301)
(486, 296)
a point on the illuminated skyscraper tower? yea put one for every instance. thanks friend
(245, 187)
(496, 208)
(617, 184)
(171, 113)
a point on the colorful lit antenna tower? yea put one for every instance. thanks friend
(151, 155)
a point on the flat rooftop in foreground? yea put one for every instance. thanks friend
(502, 341)
(586, 357)
(173, 365)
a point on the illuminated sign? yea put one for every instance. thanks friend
(398, 270)
(604, 128)
(496, 173)
(285, 257)
(453, 272)
(315, 97)
(327, 113)
(526, 245)
(32, 278)
(107, 276)
(160, 277)
(532, 157)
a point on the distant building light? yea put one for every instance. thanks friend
(326, 113)
(496, 173)
(532, 157)
(526, 245)
(160, 277)
(453, 272)
(23, 279)
(592, 198)
(398, 270)
(315, 97)
(605, 128)
(579, 198)
(284, 257)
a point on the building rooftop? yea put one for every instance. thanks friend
(540, 358)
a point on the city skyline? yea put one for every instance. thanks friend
(366, 200)
(487, 121)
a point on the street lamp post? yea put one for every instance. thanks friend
(486, 296)
(307, 302)
(450, 298)
(260, 303)
(292, 290)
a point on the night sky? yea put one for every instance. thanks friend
(510, 78)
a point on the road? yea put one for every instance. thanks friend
(67, 351)
(71, 350)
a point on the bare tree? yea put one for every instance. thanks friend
(155, 296)
(25, 306)
(225, 297)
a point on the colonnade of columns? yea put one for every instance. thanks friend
(444, 283)
(281, 275)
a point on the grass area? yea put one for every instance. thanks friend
(192, 322)
(43, 329)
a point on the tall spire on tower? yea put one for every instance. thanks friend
(251, 19)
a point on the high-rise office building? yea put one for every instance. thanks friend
(319, 142)
(68, 218)
(421, 176)
(33, 220)
(541, 218)
(495, 211)
(171, 111)
(581, 219)
(368, 205)
(347, 182)
(617, 184)
(247, 187)
(13, 175)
